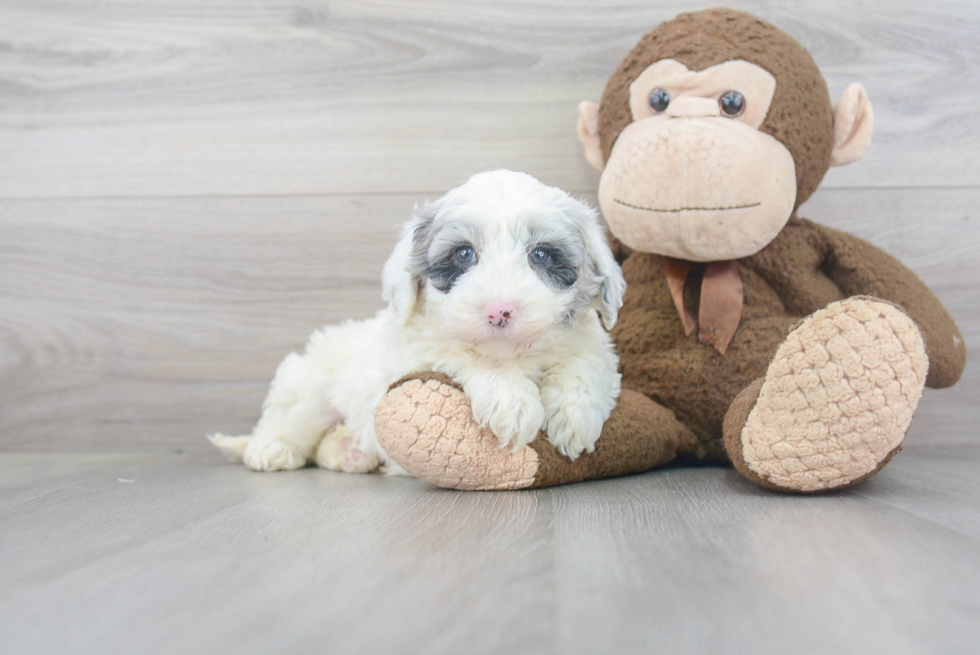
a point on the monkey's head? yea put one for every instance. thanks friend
(711, 133)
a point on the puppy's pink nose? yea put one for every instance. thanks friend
(499, 314)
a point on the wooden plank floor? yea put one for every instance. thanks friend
(186, 553)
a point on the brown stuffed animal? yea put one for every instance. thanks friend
(749, 335)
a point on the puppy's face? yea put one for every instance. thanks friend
(504, 258)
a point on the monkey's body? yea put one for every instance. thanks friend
(748, 335)
(698, 384)
(688, 376)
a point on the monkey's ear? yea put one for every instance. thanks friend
(588, 133)
(854, 122)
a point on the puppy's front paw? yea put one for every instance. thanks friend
(509, 405)
(574, 421)
(273, 455)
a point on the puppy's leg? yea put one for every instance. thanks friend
(578, 396)
(295, 415)
(505, 401)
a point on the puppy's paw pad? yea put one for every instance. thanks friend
(338, 451)
(273, 456)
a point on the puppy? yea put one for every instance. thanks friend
(500, 284)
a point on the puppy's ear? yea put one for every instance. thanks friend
(599, 257)
(405, 268)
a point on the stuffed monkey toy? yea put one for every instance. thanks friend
(748, 336)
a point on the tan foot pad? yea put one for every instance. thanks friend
(838, 397)
(338, 451)
(426, 426)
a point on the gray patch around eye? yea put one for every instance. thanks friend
(571, 228)
(444, 273)
(561, 272)
(569, 234)
(561, 238)
(433, 246)
(448, 235)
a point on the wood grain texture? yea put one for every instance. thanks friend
(128, 322)
(118, 98)
(188, 189)
(147, 323)
(158, 553)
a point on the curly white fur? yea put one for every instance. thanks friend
(523, 338)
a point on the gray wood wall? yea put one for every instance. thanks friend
(188, 188)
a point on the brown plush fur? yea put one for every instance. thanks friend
(735, 420)
(800, 115)
(638, 436)
(805, 268)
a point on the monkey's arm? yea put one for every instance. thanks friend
(859, 268)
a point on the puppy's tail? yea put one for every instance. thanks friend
(231, 447)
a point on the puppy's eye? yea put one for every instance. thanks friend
(540, 257)
(465, 256)
(732, 104)
(659, 99)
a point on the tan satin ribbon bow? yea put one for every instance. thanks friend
(721, 300)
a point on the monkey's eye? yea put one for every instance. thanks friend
(540, 257)
(465, 256)
(659, 99)
(732, 104)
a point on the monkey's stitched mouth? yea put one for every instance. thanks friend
(686, 209)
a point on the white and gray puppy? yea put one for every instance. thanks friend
(496, 284)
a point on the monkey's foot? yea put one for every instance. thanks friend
(338, 451)
(425, 425)
(836, 401)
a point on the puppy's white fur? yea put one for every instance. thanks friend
(549, 365)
